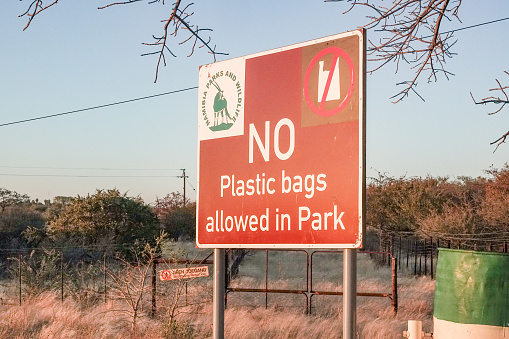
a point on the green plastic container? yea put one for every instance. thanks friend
(471, 295)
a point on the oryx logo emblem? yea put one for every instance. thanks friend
(222, 119)
(221, 113)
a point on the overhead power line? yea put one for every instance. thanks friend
(88, 176)
(476, 25)
(96, 107)
(94, 169)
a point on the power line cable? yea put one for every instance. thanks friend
(452, 30)
(94, 169)
(190, 184)
(96, 107)
(88, 176)
(473, 26)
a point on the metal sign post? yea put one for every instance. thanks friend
(349, 292)
(218, 298)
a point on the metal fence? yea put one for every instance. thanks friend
(304, 285)
(419, 254)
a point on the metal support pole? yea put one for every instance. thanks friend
(266, 278)
(349, 292)
(219, 292)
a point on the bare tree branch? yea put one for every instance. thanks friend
(501, 99)
(119, 3)
(177, 21)
(36, 7)
(412, 35)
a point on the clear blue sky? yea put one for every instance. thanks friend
(74, 56)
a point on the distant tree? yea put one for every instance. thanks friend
(170, 202)
(55, 208)
(177, 219)
(10, 198)
(398, 204)
(14, 221)
(495, 207)
(465, 209)
(105, 218)
(460, 213)
(17, 213)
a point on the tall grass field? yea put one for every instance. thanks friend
(185, 310)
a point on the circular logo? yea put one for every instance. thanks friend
(336, 53)
(165, 275)
(222, 101)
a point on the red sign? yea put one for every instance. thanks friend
(281, 147)
(184, 273)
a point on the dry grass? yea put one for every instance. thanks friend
(47, 317)
(246, 317)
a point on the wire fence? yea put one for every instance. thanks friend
(419, 254)
(90, 277)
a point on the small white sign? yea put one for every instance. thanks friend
(184, 273)
(221, 99)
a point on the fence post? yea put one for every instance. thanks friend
(62, 275)
(415, 261)
(187, 265)
(19, 269)
(431, 257)
(399, 253)
(154, 291)
(425, 258)
(408, 242)
(394, 285)
(505, 246)
(391, 249)
(104, 278)
(420, 263)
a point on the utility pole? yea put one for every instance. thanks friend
(184, 176)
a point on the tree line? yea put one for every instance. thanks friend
(464, 208)
(106, 221)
